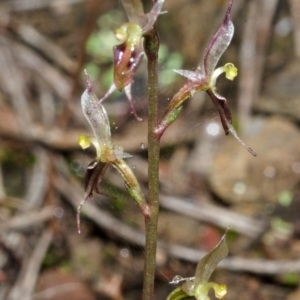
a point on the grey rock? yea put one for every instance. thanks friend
(282, 93)
(238, 177)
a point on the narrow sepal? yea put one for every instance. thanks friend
(93, 176)
(218, 44)
(209, 262)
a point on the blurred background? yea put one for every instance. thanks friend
(208, 180)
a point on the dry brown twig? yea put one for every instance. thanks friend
(256, 35)
(26, 220)
(36, 40)
(258, 266)
(214, 215)
(24, 286)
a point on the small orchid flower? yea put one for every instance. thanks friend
(106, 153)
(204, 79)
(199, 286)
(129, 54)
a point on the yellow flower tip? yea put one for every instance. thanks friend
(84, 141)
(220, 291)
(231, 71)
(121, 33)
(130, 32)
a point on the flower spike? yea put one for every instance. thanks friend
(205, 78)
(106, 153)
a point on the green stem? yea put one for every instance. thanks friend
(151, 45)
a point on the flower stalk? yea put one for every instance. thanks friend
(151, 46)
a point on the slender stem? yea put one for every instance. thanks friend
(151, 45)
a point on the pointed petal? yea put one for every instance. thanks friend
(119, 153)
(218, 44)
(222, 107)
(151, 17)
(234, 133)
(209, 262)
(127, 90)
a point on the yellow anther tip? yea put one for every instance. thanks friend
(230, 71)
(121, 33)
(84, 141)
(221, 291)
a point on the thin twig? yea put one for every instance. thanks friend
(25, 5)
(59, 83)
(36, 40)
(2, 188)
(37, 186)
(16, 88)
(57, 291)
(28, 219)
(25, 285)
(295, 13)
(252, 55)
(72, 193)
(213, 214)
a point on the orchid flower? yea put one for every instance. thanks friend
(106, 153)
(129, 54)
(204, 79)
(199, 286)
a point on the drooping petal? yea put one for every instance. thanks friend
(225, 115)
(234, 133)
(93, 176)
(218, 44)
(220, 103)
(127, 90)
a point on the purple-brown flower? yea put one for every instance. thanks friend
(106, 153)
(129, 54)
(204, 79)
